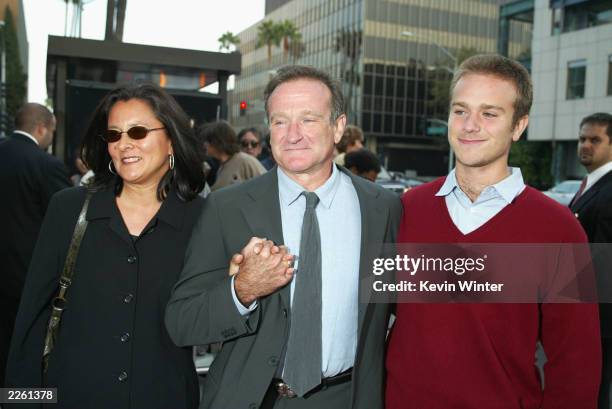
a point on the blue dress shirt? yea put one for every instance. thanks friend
(469, 216)
(339, 217)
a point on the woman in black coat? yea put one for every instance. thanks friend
(112, 349)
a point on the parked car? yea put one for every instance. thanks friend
(396, 181)
(564, 191)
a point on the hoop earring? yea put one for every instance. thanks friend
(171, 160)
(110, 167)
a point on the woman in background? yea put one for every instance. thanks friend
(253, 142)
(222, 144)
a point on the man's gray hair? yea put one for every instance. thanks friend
(297, 72)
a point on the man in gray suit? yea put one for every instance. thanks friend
(296, 336)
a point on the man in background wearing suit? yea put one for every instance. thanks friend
(298, 338)
(592, 205)
(29, 176)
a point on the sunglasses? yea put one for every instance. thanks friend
(135, 132)
(251, 144)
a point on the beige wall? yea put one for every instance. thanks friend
(552, 116)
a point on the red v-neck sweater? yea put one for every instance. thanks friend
(481, 356)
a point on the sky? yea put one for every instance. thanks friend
(192, 24)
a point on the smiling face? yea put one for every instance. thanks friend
(594, 146)
(140, 162)
(480, 127)
(302, 136)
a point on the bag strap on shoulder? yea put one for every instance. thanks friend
(58, 304)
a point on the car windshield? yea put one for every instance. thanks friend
(568, 186)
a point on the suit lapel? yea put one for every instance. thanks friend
(264, 202)
(262, 214)
(373, 226)
(591, 193)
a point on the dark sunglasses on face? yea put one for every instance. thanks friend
(251, 144)
(135, 132)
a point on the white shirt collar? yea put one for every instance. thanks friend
(28, 135)
(508, 188)
(597, 174)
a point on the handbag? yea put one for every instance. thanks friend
(58, 304)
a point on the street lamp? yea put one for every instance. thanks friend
(451, 154)
(444, 50)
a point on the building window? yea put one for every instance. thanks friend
(587, 14)
(576, 79)
(556, 21)
(610, 75)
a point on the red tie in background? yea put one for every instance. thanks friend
(579, 192)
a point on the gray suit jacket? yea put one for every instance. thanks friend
(201, 309)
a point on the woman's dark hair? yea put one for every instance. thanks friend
(187, 177)
(221, 135)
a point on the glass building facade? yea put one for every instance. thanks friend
(392, 59)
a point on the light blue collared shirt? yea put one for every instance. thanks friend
(469, 216)
(339, 218)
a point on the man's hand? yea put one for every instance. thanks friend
(254, 245)
(261, 268)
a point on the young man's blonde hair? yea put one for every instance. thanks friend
(505, 69)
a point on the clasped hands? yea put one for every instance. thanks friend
(260, 269)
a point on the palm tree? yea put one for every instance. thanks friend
(289, 34)
(268, 34)
(227, 41)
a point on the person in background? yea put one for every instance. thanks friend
(112, 349)
(253, 143)
(352, 140)
(592, 205)
(222, 144)
(363, 163)
(84, 173)
(29, 176)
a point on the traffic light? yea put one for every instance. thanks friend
(243, 107)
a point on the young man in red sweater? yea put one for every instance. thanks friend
(472, 356)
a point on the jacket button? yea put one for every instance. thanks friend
(253, 406)
(131, 259)
(285, 312)
(128, 298)
(125, 337)
(122, 376)
(273, 361)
